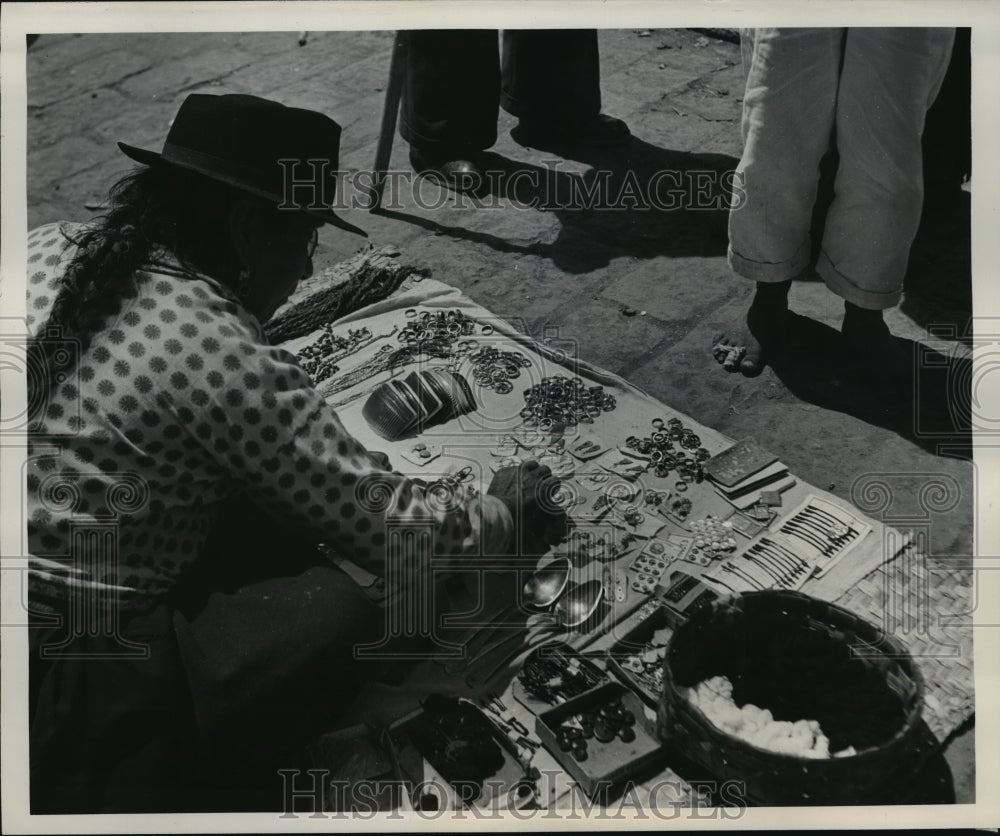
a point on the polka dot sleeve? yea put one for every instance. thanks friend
(272, 432)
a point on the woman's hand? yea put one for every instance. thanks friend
(529, 492)
(381, 460)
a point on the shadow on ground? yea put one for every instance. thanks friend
(931, 407)
(637, 200)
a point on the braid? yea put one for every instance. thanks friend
(152, 211)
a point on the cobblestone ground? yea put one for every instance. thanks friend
(640, 290)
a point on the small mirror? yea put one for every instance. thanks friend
(578, 602)
(546, 584)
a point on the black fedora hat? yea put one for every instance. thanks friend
(284, 154)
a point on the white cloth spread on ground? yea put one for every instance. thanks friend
(467, 441)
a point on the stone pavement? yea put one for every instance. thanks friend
(641, 290)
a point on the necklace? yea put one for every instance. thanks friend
(319, 359)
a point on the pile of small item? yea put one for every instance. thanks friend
(681, 507)
(756, 726)
(433, 334)
(713, 537)
(604, 725)
(660, 447)
(561, 401)
(443, 325)
(656, 498)
(494, 369)
(552, 675)
(646, 666)
(318, 359)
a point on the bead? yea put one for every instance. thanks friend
(603, 731)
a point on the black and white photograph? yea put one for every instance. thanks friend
(488, 416)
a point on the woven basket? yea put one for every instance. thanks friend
(802, 659)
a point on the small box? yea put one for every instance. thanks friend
(772, 499)
(420, 764)
(630, 647)
(551, 661)
(608, 764)
(678, 598)
(682, 596)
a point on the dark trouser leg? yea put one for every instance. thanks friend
(451, 91)
(266, 633)
(551, 76)
(270, 667)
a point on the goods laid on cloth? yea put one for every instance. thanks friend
(648, 511)
(419, 401)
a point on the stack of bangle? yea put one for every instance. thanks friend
(443, 325)
(660, 447)
(494, 369)
(564, 401)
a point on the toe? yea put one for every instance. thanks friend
(721, 343)
(751, 363)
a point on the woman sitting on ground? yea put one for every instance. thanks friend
(160, 402)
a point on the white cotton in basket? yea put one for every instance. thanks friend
(757, 726)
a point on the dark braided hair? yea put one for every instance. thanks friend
(152, 212)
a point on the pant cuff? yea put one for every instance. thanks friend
(510, 104)
(765, 271)
(445, 147)
(873, 300)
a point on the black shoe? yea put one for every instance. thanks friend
(601, 130)
(457, 174)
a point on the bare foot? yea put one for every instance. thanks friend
(743, 348)
(872, 348)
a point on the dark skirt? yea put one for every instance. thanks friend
(196, 703)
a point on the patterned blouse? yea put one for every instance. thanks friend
(178, 404)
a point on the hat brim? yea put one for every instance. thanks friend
(153, 158)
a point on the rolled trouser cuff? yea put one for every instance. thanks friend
(766, 271)
(850, 291)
